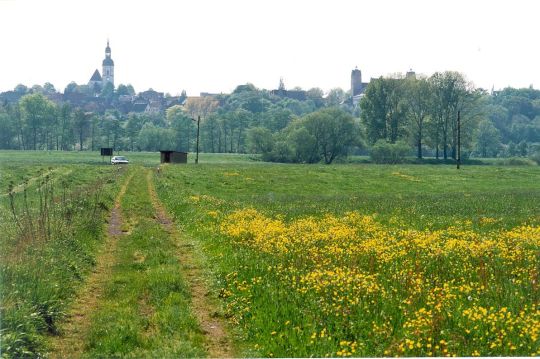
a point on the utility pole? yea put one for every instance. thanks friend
(458, 139)
(198, 126)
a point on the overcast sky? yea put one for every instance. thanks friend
(215, 45)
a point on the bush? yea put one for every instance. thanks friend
(516, 161)
(384, 152)
(536, 157)
(281, 152)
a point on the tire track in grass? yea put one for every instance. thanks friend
(218, 343)
(70, 344)
(32, 180)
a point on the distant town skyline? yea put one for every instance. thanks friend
(213, 46)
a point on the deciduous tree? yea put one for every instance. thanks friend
(487, 139)
(383, 110)
(37, 113)
(417, 99)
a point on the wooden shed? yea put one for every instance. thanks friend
(173, 157)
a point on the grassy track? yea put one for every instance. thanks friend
(217, 341)
(74, 330)
(144, 307)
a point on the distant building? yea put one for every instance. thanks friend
(357, 86)
(410, 74)
(294, 94)
(95, 82)
(151, 95)
(174, 101)
(154, 107)
(98, 81)
(173, 157)
(108, 66)
(208, 94)
(139, 107)
(299, 95)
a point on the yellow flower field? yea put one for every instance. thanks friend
(458, 291)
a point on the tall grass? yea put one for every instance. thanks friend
(52, 227)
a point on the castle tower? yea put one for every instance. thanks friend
(108, 67)
(356, 82)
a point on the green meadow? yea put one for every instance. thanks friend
(299, 260)
(290, 279)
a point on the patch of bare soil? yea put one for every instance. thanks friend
(218, 343)
(70, 342)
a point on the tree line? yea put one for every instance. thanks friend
(412, 115)
(423, 112)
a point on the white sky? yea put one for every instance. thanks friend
(215, 45)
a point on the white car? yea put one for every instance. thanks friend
(115, 160)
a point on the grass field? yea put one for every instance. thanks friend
(368, 260)
(300, 260)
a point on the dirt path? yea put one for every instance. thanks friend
(70, 343)
(218, 344)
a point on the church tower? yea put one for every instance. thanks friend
(108, 67)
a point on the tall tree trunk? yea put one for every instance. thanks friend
(239, 138)
(445, 147)
(35, 138)
(224, 149)
(20, 138)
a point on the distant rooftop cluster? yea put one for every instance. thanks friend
(99, 94)
(150, 101)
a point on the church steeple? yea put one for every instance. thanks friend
(108, 66)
